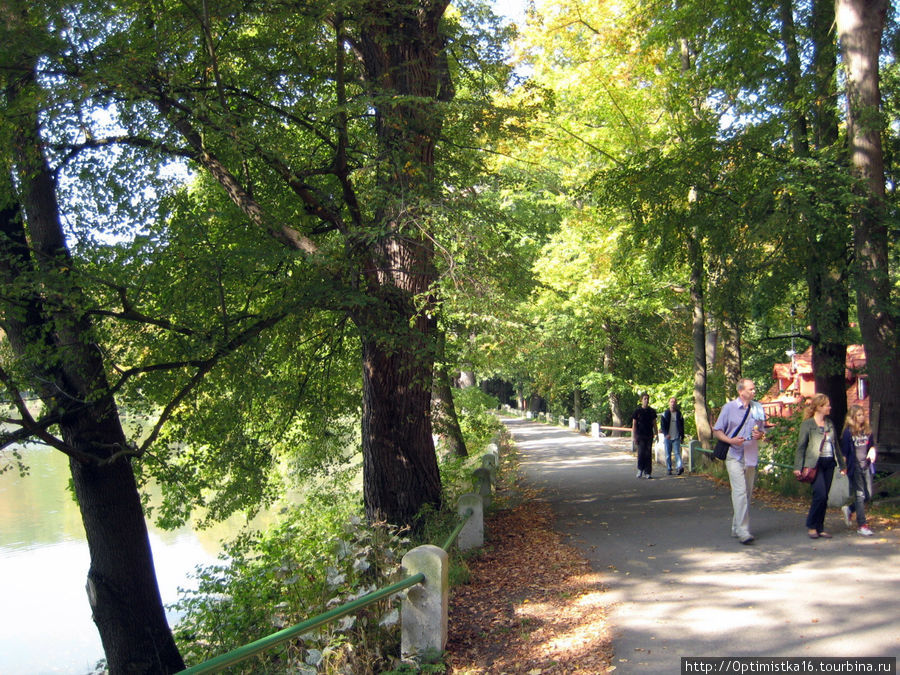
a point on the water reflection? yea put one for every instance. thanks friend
(45, 622)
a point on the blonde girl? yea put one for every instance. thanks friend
(858, 449)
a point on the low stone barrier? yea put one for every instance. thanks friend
(424, 607)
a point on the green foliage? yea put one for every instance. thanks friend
(476, 420)
(322, 555)
(776, 461)
(781, 439)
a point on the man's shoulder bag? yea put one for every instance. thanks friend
(720, 451)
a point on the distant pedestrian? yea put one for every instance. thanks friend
(643, 432)
(671, 425)
(858, 448)
(741, 424)
(817, 447)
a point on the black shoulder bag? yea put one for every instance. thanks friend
(720, 451)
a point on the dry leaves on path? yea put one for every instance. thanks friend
(533, 606)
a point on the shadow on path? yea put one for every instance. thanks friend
(680, 585)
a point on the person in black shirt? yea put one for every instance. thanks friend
(643, 431)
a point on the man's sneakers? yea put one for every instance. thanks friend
(640, 474)
(747, 540)
(847, 516)
(680, 470)
(865, 531)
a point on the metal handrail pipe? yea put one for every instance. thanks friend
(245, 652)
(459, 526)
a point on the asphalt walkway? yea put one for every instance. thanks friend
(680, 585)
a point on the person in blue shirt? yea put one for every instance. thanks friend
(741, 424)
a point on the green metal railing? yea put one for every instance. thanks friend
(235, 656)
(456, 530)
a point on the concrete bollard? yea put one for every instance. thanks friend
(472, 533)
(483, 485)
(693, 452)
(423, 611)
(572, 423)
(595, 430)
(489, 462)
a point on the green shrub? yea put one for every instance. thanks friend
(322, 555)
(476, 419)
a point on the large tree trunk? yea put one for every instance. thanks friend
(400, 471)
(828, 298)
(54, 339)
(860, 24)
(402, 51)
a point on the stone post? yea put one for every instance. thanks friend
(595, 430)
(483, 485)
(489, 462)
(693, 448)
(472, 533)
(423, 611)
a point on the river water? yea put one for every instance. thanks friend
(45, 619)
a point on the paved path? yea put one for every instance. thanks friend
(680, 585)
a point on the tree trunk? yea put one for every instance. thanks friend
(828, 299)
(400, 471)
(860, 24)
(403, 54)
(828, 319)
(733, 359)
(609, 367)
(576, 403)
(443, 411)
(698, 332)
(54, 339)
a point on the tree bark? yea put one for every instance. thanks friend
(54, 340)
(860, 24)
(733, 356)
(698, 332)
(609, 367)
(828, 298)
(402, 51)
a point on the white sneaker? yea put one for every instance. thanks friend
(640, 474)
(865, 531)
(847, 515)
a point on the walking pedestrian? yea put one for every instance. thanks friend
(643, 431)
(858, 448)
(817, 447)
(741, 424)
(671, 425)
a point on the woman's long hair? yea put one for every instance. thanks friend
(850, 422)
(814, 404)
